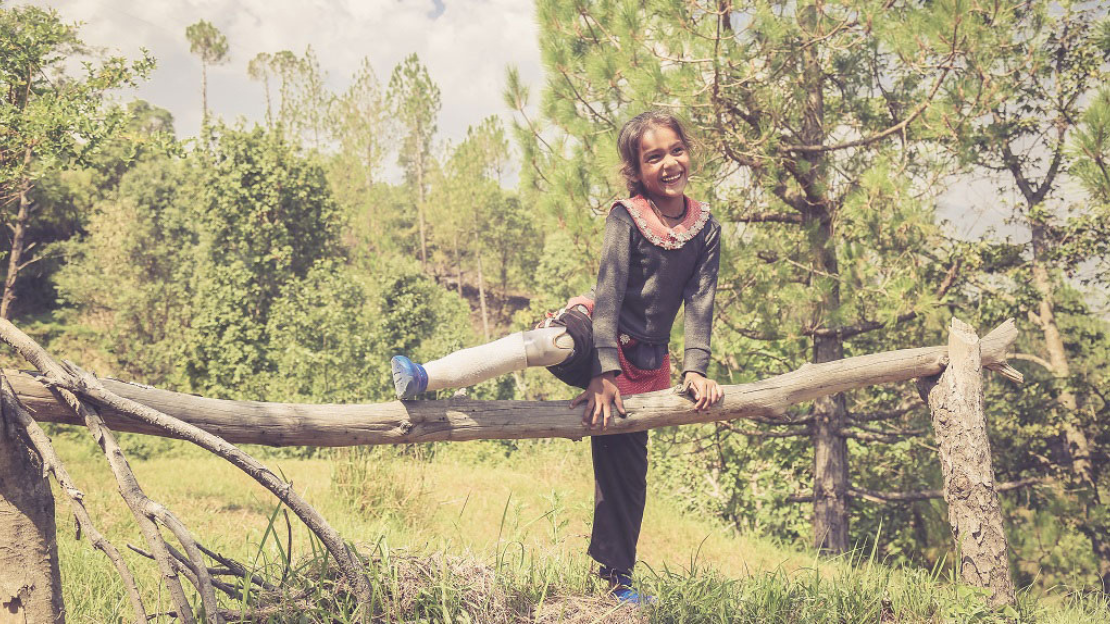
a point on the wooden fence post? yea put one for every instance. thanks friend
(956, 403)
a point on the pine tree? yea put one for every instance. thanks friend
(815, 118)
(414, 101)
(208, 43)
(1036, 89)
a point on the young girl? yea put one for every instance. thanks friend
(661, 251)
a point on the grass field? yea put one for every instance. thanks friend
(462, 533)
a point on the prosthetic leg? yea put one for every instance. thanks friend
(546, 346)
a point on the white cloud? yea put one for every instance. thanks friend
(466, 45)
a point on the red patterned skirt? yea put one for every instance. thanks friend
(634, 380)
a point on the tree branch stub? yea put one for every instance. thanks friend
(959, 423)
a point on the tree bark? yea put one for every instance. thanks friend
(204, 92)
(830, 448)
(420, 205)
(458, 266)
(30, 582)
(1078, 446)
(397, 422)
(40, 442)
(19, 233)
(482, 298)
(956, 402)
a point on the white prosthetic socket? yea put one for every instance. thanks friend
(547, 346)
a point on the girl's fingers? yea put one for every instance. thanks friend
(578, 399)
(620, 404)
(587, 414)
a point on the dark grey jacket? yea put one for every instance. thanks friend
(640, 287)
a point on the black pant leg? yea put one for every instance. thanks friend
(620, 491)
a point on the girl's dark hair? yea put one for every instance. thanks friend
(628, 143)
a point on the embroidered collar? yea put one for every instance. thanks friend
(653, 228)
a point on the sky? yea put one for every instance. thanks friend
(466, 45)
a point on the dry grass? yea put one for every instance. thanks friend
(468, 535)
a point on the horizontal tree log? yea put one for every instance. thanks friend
(397, 422)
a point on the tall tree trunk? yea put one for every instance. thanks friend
(830, 462)
(482, 298)
(458, 266)
(30, 583)
(15, 258)
(269, 110)
(420, 208)
(830, 448)
(204, 93)
(1078, 446)
(956, 403)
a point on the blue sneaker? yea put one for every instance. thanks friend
(620, 586)
(632, 596)
(409, 378)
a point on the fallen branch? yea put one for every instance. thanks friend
(69, 381)
(52, 464)
(141, 509)
(129, 407)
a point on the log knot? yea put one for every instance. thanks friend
(961, 487)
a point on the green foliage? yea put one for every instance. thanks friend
(207, 42)
(360, 122)
(51, 122)
(418, 317)
(267, 218)
(322, 339)
(128, 279)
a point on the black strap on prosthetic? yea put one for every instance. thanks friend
(577, 370)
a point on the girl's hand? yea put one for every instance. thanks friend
(706, 391)
(599, 398)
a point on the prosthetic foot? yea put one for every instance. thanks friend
(409, 378)
(547, 346)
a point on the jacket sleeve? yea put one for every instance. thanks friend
(612, 281)
(698, 298)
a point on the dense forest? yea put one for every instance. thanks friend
(283, 261)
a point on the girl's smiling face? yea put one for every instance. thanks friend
(664, 168)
